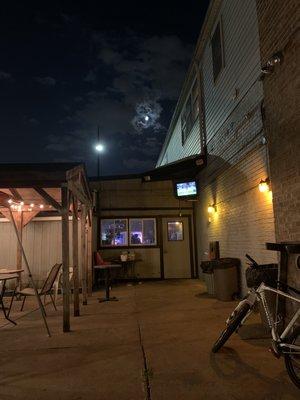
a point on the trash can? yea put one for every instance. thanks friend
(208, 275)
(226, 278)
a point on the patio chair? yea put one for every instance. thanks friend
(46, 288)
(58, 284)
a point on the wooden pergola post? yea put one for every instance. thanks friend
(75, 257)
(89, 256)
(19, 224)
(65, 256)
(83, 255)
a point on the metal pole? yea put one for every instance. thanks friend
(98, 156)
(29, 272)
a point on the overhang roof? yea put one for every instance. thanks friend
(28, 175)
(186, 168)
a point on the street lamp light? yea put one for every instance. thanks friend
(99, 147)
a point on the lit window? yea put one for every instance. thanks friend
(142, 231)
(175, 231)
(217, 51)
(114, 232)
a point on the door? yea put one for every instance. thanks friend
(176, 247)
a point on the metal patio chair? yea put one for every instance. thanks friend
(46, 288)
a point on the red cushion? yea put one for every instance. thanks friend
(99, 260)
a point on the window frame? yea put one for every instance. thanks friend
(220, 24)
(128, 218)
(113, 245)
(174, 222)
(191, 111)
(142, 244)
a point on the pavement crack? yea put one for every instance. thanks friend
(147, 372)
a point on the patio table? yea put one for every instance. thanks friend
(4, 277)
(107, 268)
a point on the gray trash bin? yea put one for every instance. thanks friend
(226, 278)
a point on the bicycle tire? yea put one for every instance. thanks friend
(234, 322)
(290, 360)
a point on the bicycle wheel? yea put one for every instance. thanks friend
(292, 361)
(234, 322)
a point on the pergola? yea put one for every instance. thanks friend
(60, 188)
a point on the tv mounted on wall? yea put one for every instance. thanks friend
(186, 189)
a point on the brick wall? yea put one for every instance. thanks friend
(244, 219)
(279, 31)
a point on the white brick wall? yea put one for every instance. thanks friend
(244, 220)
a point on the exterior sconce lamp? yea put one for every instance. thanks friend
(269, 67)
(211, 209)
(264, 185)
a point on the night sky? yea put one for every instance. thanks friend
(67, 68)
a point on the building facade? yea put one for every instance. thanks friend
(145, 219)
(220, 114)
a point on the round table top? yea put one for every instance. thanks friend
(5, 277)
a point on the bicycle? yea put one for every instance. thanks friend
(287, 343)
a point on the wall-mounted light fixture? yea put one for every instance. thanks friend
(264, 185)
(211, 209)
(270, 65)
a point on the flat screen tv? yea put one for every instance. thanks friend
(186, 189)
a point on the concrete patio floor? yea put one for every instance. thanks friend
(154, 343)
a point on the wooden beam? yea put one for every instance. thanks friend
(65, 257)
(75, 258)
(83, 255)
(16, 194)
(78, 192)
(89, 260)
(29, 273)
(49, 199)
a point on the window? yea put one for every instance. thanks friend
(175, 231)
(140, 231)
(114, 232)
(217, 51)
(190, 112)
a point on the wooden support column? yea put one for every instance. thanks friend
(89, 257)
(83, 255)
(65, 257)
(75, 258)
(19, 223)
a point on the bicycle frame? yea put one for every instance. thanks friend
(273, 324)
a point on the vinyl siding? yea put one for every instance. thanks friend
(42, 245)
(242, 64)
(176, 150)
